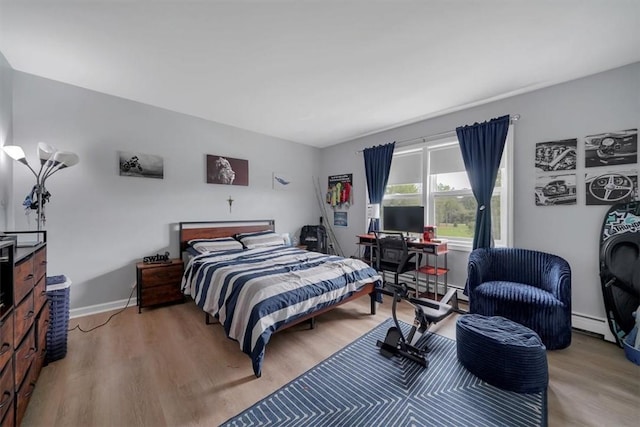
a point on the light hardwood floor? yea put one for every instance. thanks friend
(165, 367)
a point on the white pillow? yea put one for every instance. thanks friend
(260, 239)
(216, 245)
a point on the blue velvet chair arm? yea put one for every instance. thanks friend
(478, 269)
(557, 279)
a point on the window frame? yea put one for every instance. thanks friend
(428, 194)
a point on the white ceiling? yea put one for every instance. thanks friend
(318, 72)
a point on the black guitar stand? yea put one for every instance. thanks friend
(427, 312)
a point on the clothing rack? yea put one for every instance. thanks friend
(426, 138)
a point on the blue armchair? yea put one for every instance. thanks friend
(529, 287)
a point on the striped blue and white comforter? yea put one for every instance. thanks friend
(254, 292)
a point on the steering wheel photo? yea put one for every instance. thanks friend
(611, 187)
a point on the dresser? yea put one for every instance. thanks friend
(24, 323)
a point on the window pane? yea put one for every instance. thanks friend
(496, 229)
(456, 216)
(406, 167)
(450, 181)
(403, 195)
(403, 189)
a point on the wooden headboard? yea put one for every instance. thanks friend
(214, 229)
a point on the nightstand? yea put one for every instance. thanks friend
(159, 283)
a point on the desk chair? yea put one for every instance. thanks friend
(392, 255)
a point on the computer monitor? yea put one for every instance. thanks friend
(407, 219)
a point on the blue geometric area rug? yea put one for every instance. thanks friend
(357, 386)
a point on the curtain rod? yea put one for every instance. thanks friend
(512, 119)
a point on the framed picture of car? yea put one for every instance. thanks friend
(611, 148)
(555, 190)
(609, 188)
(556, 155)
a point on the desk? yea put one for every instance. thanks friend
(435, 260)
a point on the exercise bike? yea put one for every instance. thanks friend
(427, 312)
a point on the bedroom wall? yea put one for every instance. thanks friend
(6, 137)
(100, 224)
(604, 102)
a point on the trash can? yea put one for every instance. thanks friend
(58, 295)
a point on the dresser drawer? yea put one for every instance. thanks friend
(23, 395)
(161, 275)
(23, 279)
(40, 294)
(6, 339)
(6, 390)
(40, 264)
(10, 416)
(42, 326)
(25, 316)
(25, 354)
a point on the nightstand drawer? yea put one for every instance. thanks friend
(161, 294)
(162, 276)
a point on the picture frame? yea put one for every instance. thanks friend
(227, 170)
(141, 165)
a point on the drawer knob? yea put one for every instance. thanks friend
(5, 347)
(29, 314)
(29, 277)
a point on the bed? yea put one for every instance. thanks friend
(263, 286)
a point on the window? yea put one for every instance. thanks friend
(449, 203)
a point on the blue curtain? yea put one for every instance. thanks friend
(482, 145)
(377, 164)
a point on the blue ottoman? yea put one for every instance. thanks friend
(502, 352)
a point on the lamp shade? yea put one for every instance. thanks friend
(45, 151)
(16, 153)
(65, 158)
(373, 210)
(60, 160)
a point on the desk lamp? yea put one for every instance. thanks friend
(51, 161)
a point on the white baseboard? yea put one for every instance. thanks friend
(592, 324)
(101, 308)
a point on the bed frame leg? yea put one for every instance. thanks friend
(372, 296)
(312, 323)
(207, 319)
